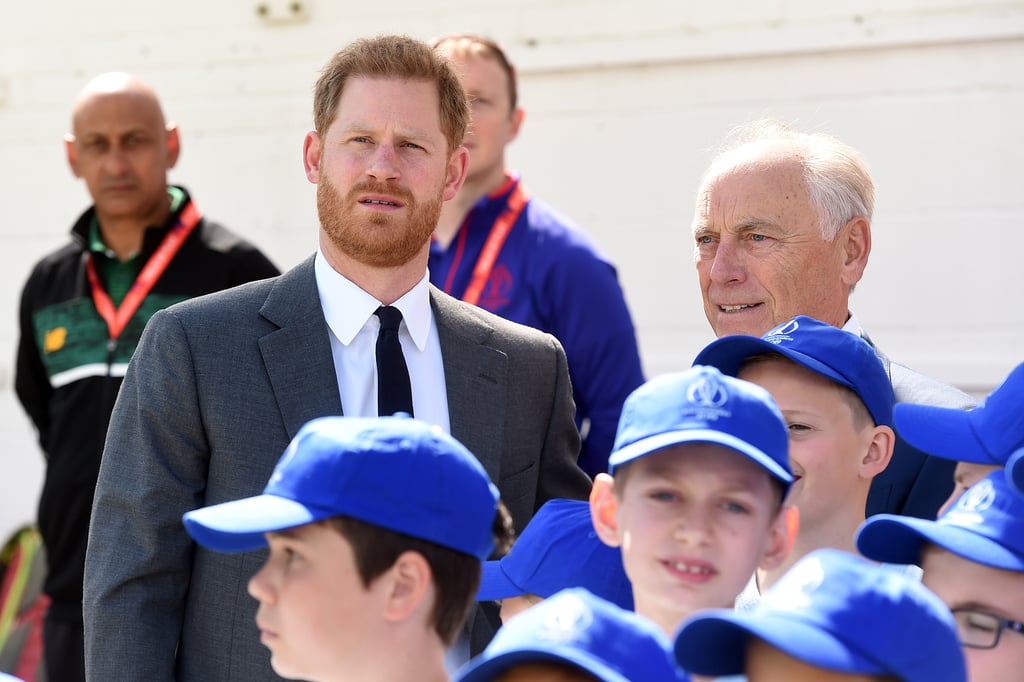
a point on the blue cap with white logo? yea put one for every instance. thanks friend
(576, 628)
(394, 472)
(701, 405)
(558, 549)
(838, 355)
(986, 526)
(836, 611)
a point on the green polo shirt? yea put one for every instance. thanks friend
(118, 275)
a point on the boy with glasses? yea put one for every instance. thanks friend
(832, 618)
(973, 558)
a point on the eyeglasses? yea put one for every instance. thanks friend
(980, 629)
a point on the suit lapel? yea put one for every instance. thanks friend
(298, 354)
(475, 378)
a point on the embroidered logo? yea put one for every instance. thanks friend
(54, 339)
(782, 333)
(795, 590)
(971, 505)
(497, 293)
(707, 397)
(568, 622)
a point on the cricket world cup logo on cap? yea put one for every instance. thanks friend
(707, 397)
(782, 333)
(972, 505)
(793, 593)
(567, 622)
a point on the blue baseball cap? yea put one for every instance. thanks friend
(577, 628)
(986, 526)
(394, 472)
(701, 405)
(836, 611)
(835, 354)
(1015, 470)
(987, 434)
(558, 549)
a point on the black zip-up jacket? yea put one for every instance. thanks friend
(68, 372)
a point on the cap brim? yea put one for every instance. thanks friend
(728, 353)
(485, 670)
(238, 526)
(716, 644)
(661, 441)
(494, 584)
(898, 540)
(940, 431)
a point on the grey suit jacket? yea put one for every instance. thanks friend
(215, 391)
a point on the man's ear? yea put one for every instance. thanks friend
(856, 236)
(173, 144)
(781, 536)
(458, 167)
(517, 121)
(311, 154)
(72, 153)
(410, 583)
(604, 508)
(879, 452)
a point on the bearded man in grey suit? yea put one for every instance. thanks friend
(219, 385)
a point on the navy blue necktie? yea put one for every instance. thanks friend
(394, 392)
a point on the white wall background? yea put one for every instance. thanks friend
(625, 102)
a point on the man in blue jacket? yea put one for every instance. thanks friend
(514, 255)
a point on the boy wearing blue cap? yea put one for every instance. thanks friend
(575, 637)
(557, 550)
(833, 617)
(377, 529)
(989, 437)
(973, 558)
(698, 474)
(837, 400)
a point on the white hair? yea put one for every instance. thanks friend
(839, 185)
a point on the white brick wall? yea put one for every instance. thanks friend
(624, 103)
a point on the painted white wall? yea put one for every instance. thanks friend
(625, 103)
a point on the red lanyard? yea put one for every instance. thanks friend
(117, 319)
(517, 201)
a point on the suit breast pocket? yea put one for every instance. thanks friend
(519, 494)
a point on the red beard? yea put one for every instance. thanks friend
(378, 240)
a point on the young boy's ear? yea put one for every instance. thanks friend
(879, 452)
(781, 536)
(603, 509)
(409, 582)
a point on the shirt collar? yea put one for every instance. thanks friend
(347, 307)
(96, 243)
(853, 325)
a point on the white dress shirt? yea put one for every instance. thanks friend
(353, 326)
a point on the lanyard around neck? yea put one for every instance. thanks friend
(117, 319)
(514, 206)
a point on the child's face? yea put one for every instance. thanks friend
(694, 521)
(827, 448)
(765, 663)
(966, 584)
(314, 613)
